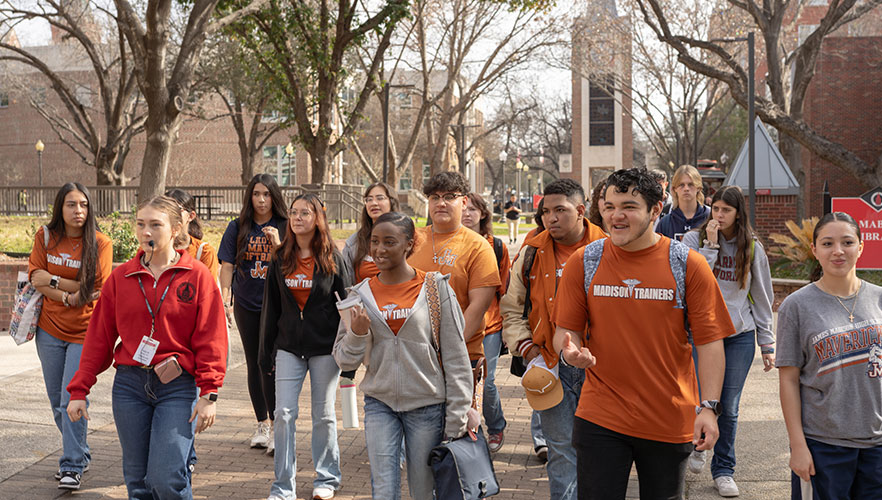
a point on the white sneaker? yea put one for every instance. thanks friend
(271, 444)
(261, 436)
(726, 486)
(696, 461)
(322, 493)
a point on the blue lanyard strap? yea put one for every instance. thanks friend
(150, 309)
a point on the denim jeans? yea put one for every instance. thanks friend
(492, 410)
(323, 375)
(60, 361)
(841, 472)
(423, 429)
(557, 427)
(740, 349)
(154, 432)
(536, 430)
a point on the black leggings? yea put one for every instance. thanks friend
(261, 387)
(605, 458)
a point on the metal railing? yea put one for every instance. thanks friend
(342, 201)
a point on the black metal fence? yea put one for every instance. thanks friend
(343, 201)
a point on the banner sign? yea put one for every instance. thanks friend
(867, 211)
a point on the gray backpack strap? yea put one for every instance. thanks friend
(679, 254)
(45, 237)
(591, 261)
(199, 250)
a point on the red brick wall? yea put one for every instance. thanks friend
(8, 274)
(772, 211)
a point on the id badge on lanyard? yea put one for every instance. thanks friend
(148, 346)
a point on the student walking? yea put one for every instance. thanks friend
(198, 249)
(69, 271)
(728, 243)
(512, 211)
(639, 402)
(379, 199)
(245, 252)
(298, 326)
(688, 210)
(478, 218)
(830, 371)
(160, 321)
(407, 393)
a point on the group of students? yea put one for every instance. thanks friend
(663, 317)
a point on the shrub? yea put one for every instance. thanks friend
(795, 252)
(122, 234)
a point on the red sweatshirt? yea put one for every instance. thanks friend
(190, 324)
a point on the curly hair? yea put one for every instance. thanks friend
(446, 182)
(638, 180)
(593, 210)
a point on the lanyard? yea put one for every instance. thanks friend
(150, 309)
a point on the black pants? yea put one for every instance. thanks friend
(605, 458)
(261, 387)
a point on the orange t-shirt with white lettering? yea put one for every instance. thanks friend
(366, 269)
(63, 258)
(299, 281)
(208, 257)
(470, 261)
(396, 301)
(644, 382)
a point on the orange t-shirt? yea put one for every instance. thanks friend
(208, 257)
(493, 318)
(63, 258)
(299, 281)
(468, 258)
(366, 269)
(644, 382)
(396, 301)
(562, 254)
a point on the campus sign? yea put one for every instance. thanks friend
(867, 211)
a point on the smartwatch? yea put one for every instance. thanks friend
(211, 396)
(712, 405)
(53, 281)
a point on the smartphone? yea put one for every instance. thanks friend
(168, 369)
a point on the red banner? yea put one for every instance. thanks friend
(867, 211)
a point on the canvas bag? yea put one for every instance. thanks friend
(27, 306)
(462, 467)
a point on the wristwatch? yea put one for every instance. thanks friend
(712, 404)
(211, 396)
(53, 281)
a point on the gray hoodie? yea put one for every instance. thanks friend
(745, 315)
(404, 372)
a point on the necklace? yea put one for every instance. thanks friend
(853, 305)
(435, 258)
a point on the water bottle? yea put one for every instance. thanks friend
(348, 402)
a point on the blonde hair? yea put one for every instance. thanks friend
(692, 173)
(170, 207)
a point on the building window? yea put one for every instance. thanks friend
(39, 95)
(84, 96)
(280, 165)
(406, 180)
(599, 174)
(601, 113)
(427, 172)
(4, 100)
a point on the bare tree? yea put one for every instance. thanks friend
(99, 134)
(791, 67)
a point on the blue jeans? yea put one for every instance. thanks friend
(536, 430)
(60, 361)
(154, 432)
(423, 429)
(323, 375)
(842, 473)
(557, 427)
(740, 349)
(492, 410)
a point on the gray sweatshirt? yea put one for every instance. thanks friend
(404, 372)
(744, 314)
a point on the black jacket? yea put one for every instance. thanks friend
(306, 333)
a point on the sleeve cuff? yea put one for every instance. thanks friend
(524, 346)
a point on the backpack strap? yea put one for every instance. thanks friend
(45, 237)
(591, 261)
(199, 251)
(529, 257)
(497, 249)
(434, 313)
(678, 256)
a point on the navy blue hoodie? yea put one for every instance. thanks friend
(675, 225)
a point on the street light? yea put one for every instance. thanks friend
(289, 151)
(502, 157)
(530, 190)
(39, 146)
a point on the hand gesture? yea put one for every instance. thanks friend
(706, 431)
(713, 231)
(272, 234)
(203, 414)
(361, 322)
(40, 278)
(75, 299)
(578, 357)
(801, 463)
(76, 409)
(768, 361)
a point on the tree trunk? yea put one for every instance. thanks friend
(247, 165)
(160, 134)
(319, 158)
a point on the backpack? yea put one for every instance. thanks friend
(677, 256)
(199, 251)
(497, 249)
(529, 257)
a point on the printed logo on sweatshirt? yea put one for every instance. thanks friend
(632, 291)
(186, 292)
(850, 345)
(259, 271)
(724, 269)
(258, 248)
(392, 312)
(446, 258)
(63, 259)
(298, 281)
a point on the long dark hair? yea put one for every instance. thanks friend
(246, 216)
(594, 212)
(367, 224)
(89, 259)
(188, 203)
(322, 244)
(732, 196)
(485, 225)
(826, 219)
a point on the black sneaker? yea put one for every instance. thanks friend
(70, 480)
(58, 474)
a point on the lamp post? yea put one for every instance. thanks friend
(530, 190)
(289, 151)
(502, 157)
(39, 146)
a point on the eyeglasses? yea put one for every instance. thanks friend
(379, 199)
(447, 197)
(304, 214)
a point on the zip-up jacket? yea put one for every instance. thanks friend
(675, 224)
(190, 324)
(305, 333)
(404, 372)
